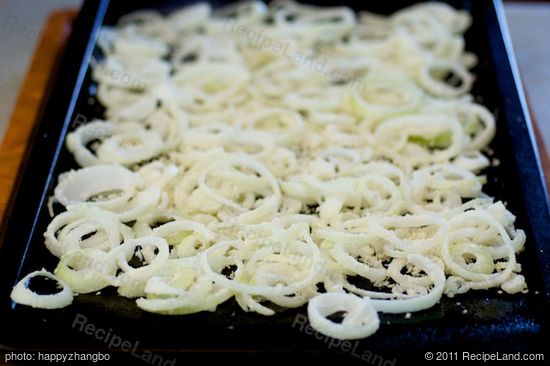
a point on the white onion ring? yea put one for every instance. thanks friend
(78, 186)
(434, 272)
(21, 294)
(360, 320)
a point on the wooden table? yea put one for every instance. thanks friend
(20, 129)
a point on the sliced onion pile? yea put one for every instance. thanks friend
(283, 155)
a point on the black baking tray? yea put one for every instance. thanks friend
(481, 321)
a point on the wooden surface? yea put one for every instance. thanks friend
(30, 98)
(29, 101)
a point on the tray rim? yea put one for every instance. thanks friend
(506, 37)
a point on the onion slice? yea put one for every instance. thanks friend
(21, 293)
(360, 319)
